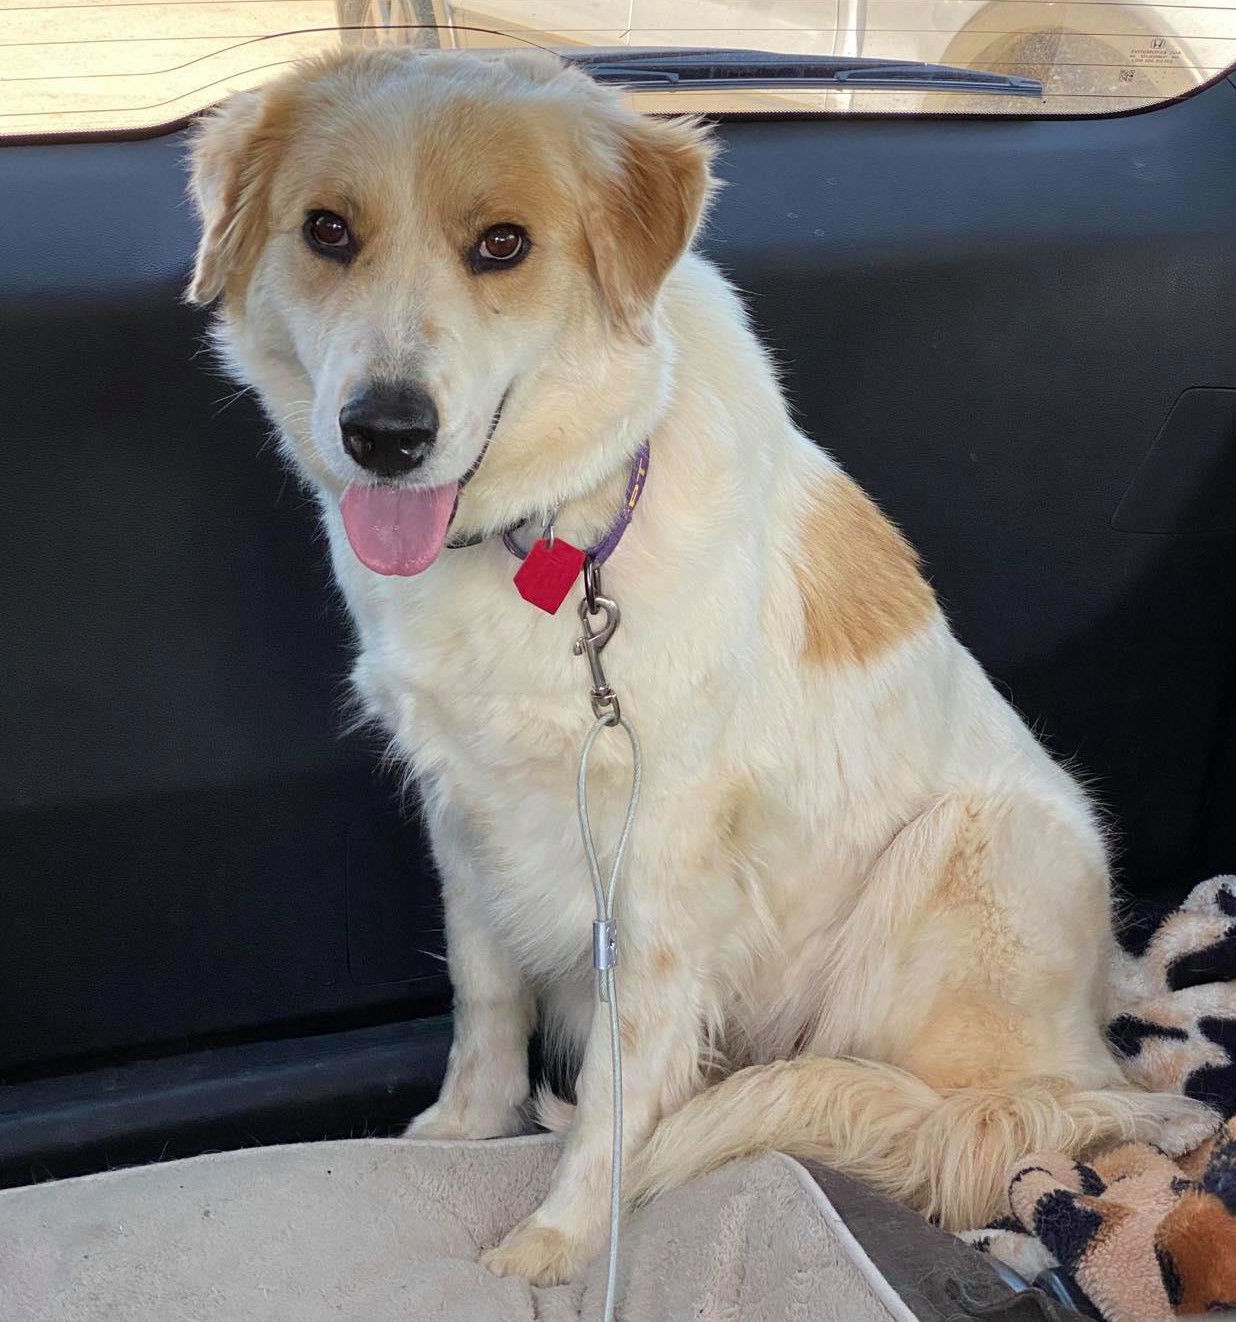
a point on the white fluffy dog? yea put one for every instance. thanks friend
(866, 917)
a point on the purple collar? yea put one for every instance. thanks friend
(600, 552)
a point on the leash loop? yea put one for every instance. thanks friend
(605, 927)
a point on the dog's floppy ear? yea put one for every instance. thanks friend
(641, 214)
(232, 154)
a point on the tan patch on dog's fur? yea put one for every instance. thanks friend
(969, 1042)
(970, 1037)
(488, 170)
(964, 879)
(236, 152)
(663, 959)
(640, 218)
(543, 1254)
(858, 578)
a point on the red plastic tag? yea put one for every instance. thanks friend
(547, 573)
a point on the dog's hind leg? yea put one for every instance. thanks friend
(970, 975)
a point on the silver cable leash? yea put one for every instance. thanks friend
(606, 708)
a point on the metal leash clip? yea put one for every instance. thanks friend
(604, 699)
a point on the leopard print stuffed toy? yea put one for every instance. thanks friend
(1142, 1238)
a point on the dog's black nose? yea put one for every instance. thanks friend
(389, 429)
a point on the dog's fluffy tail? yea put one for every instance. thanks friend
(947, 1154)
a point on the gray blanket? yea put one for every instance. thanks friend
(390, 1230)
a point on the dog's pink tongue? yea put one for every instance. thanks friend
(398, 530)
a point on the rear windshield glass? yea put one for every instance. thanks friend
(139, 64)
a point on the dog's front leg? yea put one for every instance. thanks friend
(661, 997)
(486, 1082)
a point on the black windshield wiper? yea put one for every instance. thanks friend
(699, 70)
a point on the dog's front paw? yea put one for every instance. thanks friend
(544, 1254)
(443, 1120)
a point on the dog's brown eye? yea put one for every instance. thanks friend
(329, 234)
(500, 245)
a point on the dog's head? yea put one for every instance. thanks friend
(440, 269)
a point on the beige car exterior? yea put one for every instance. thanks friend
(1090, 57)
(106, 65)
